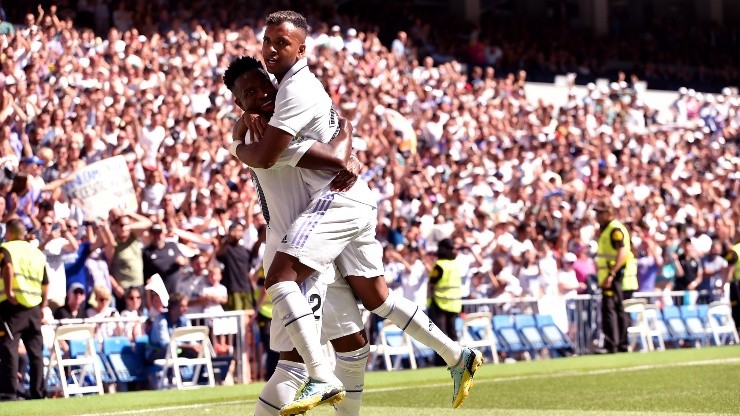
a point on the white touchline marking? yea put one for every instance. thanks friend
(494, 380)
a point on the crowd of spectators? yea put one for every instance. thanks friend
(450, 151)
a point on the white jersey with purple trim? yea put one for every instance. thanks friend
(284, 197)
(304, 110)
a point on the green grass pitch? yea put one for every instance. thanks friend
(675, 382)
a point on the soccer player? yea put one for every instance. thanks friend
(335, 226)
(283, 196)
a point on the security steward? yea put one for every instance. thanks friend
(617, 273)
(445, 286)
(22, 296)
(733, 277)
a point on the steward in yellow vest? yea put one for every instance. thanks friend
(22, 296)
(733, 276)
(445, 287)
(616, 272)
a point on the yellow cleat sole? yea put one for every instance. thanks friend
(467, 382)
(303, 406)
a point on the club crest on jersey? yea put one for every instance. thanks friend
(298, 139)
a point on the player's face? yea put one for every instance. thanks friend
(254, 93)
(282, 47)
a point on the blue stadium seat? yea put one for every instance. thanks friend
(508, 336)
(552, 335)
(527, 327)
(695, 318)
(125, 360)
(677, 326)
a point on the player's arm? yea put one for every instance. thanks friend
(332, 156)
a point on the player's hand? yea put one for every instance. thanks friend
(239, 130)
(346, 178)
(256, 125)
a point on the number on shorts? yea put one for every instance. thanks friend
(315, 298)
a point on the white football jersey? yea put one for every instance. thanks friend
(304, 110)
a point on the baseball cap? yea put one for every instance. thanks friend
(569, 257)
(351, 32)
(34, 159)
(602, 206)
(75, 286)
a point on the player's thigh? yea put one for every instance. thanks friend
(341, 317)
(323, 231)
(363, 256)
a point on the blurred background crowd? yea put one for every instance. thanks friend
(449, 140)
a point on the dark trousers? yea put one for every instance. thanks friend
(613, 318)
(735, 301)
(19, 322)
(272, 356)
(446, 322)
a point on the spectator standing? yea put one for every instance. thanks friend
(713, 264)
(237, 261)
(126, 264)
(164, 258)
(264, 321)
(649, 263)
(690, 274)
(616, 272)
(237, 264)
(23, 295)
(56, 241)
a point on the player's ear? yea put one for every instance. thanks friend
(302, 50)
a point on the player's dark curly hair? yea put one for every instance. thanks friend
(239, 67)
(296, 19)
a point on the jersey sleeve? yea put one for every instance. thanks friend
(294, 109)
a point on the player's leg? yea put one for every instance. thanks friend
(292, 311)
(342, 324)
(281, 387)
(361, 262)
(312, 243)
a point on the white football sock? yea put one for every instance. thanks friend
(409, 317)
(294, 313)
(281, 388)
(350, 370)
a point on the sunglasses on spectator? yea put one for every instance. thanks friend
(79, 292)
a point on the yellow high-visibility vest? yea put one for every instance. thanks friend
(606, 256)
(447, 291)
(736, 249)
(29, 264)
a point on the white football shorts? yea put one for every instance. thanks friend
(337, 229)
